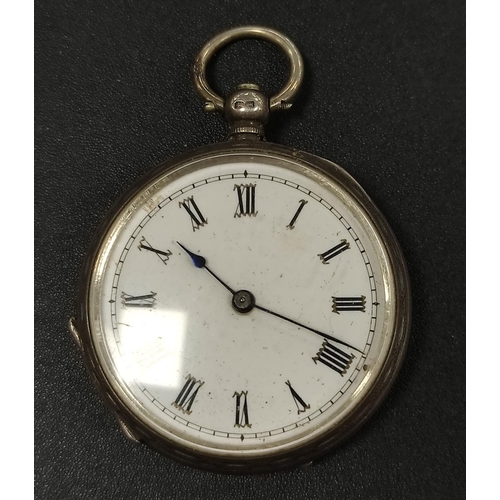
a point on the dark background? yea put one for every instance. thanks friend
(383, 96)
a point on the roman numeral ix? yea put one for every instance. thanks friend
(148, 300)
(333, 252)
(188, 393)
(334, 358)
(162, 255)
(241, 409)
(197, 218)
(340, 304)
(246, 200)
(299, 402)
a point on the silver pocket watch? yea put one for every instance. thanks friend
(245, 307)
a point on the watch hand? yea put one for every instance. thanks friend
(324, 335)
(244, 301)
(201, 263)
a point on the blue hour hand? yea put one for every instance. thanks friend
(198, 260)
(244, 301)
(201, 263)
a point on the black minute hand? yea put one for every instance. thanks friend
(201, 263)
(244, 301)
(324, 335)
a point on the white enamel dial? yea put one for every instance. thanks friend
(250, 377)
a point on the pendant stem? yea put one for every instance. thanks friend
(247, 111)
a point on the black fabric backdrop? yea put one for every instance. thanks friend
(383, 97)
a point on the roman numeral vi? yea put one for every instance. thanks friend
(241, 409)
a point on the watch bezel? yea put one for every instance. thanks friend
(139, 430)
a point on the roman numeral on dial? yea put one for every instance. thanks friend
(197, 218)
(246, 200)
(297, 213)
(340, 304)
(163, 255)
(299, 402)
(241, 415)
(186, 397)
(148, 300)
(333, 252)
(334, 358)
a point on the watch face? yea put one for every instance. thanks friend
(242, 306)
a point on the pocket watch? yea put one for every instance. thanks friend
(244, 307)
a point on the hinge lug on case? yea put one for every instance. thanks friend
(74, 332)
(127, 432)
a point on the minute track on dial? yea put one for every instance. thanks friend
(248, 301)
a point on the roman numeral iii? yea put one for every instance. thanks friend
(241, 419)
(148, 300)
(334, 358)
(197, 218)
(333, 252)
(340, 304)
(188, 393)
(246, 200)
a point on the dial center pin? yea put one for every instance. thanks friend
(243, 301)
